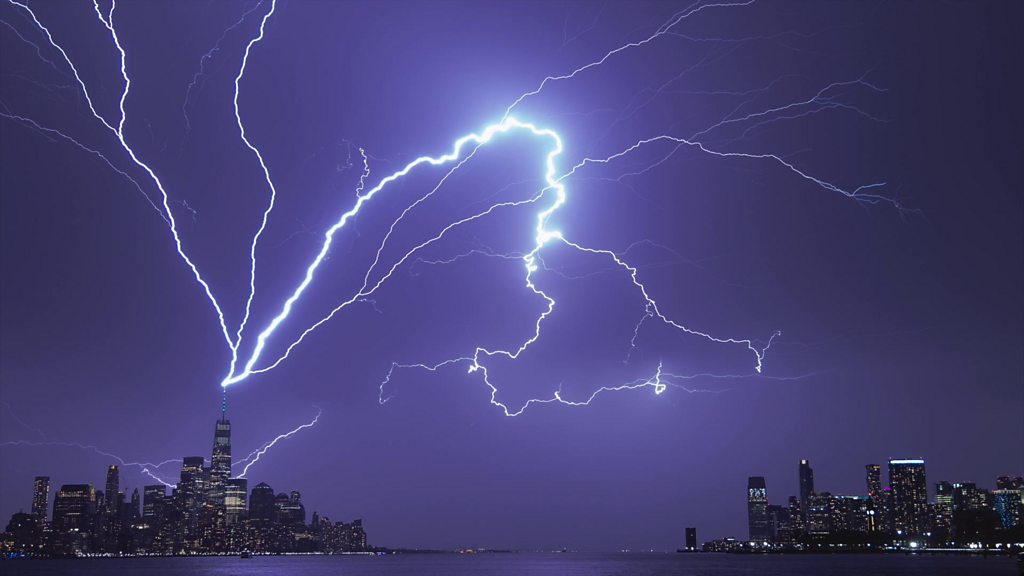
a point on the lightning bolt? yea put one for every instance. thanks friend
(662, 31)
(266, 174)
(208, 56)
(52, 131)
(108, 22)
(364, 174)
(255, 456)
(146, 468)
(478, 139)
(36, 47)
(462, 151)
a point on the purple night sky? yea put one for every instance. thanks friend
(901, 320)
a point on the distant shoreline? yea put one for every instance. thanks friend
(409, 552)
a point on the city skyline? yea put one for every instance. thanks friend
(901, 515)
(593, 265)
(909, 512)
(207, 511)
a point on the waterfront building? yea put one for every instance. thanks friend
(806, 487)
(1007, 503)
(910, 497)
(757, 510)
(41, 499)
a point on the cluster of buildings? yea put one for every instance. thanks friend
(207, 512)
(899, 514)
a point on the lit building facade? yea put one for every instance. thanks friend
(1007, 503)
(41, 499)
(757, 510)
(235, 497)
(910, 497)
(944, 507)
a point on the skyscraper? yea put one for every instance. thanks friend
(873, 474)
(73, 507)
(113, 481)
(296, 510)
(876, 506)
(806, 487)
(234, 500)
(691, 540)
(819, 513)
(133, 511)
(799, 526)
(220, 468)
(1007, 503)
(757, 510)
(944, 506)
(220, 463)
(966, 496)
(910, 496)
(41, 499)
(191, 489)
(261, 502)
(152, 499)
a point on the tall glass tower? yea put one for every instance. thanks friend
(806, 487)
(41, 499)
(757, 510)
(220, 466)
(220, 463)
(113, 486)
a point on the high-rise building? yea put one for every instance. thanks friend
(691, 540)
(848, 514)
(799, 527)
(944, 506)
(133, 510)
(884, 511)
(1008, 500)
(41, 499)
(261, 503)
(806, 487)
(966, 496)
(191, 495)
(234, 500)
(213, 517)
(819, 513)
(875, 506)
(910, 496)
(289, 510)
(152, 500)
(220, 463)
(873, 475)
(1007, 504)
(296, 510)
(780, 523)
(73, 507)
(113, 481)
(757, 510)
